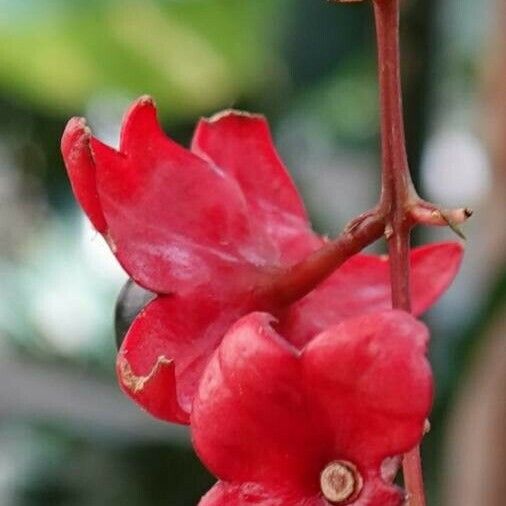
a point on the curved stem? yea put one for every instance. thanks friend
(397, 191)
(289, 285)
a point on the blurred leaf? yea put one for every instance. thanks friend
(191, 55)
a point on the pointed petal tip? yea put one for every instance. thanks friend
(77, 123)
(76, 130)
(76, 120)
(260, 327)
(452, 251)
(139, 122)
(435, 266)
(241, 144)
(77, 155)
(265, 320)
(144, 101)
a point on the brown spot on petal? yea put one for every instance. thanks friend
(136, 383)
(146, 100)
(232, 112)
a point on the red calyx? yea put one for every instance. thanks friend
(206, 229)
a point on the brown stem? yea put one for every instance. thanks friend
(289, 285)
(397, 188)
(397, 191)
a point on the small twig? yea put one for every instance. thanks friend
(287, 286)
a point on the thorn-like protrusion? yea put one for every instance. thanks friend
(424, 213)
(455, 227)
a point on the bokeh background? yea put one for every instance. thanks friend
(67, 435)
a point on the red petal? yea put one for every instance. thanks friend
(165, 350)
(250, 420)
(375, 493)
(371, 381)
(175, 222)
(75, 148)
(225, 494)
(267, 419)
(433, 269)
(362, 285)
(241, 145)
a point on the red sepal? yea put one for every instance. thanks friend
(187, 329)
(166, 349)
(359, 392)
(362, 285)
(241, 145)
(75, 147)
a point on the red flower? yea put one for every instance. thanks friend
(283, 427)
(206, 229)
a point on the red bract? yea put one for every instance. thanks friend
(178, 221)
(283, 427)
(208, 230)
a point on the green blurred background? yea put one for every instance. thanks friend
(67, 435)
